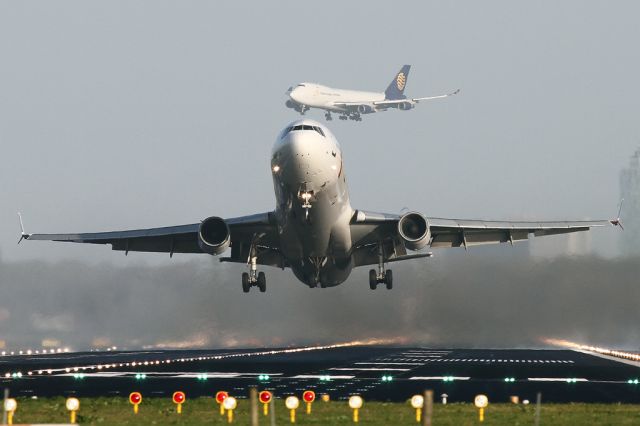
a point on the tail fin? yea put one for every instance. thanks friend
(396, 87)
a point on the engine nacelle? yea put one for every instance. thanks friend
(214, 236)
(365, 109)
(405, 106)
(290, 104)
(414, 230)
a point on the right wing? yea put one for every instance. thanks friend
(245, 231)
(396, 102)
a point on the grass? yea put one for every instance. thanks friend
(204, 411)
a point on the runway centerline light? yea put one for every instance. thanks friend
(135, 398)
(355, 403)
(179, 398)
(73, 405)
(230, 404)
(292, 404)
(10, 406)
(265, 398)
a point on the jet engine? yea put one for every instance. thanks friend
(290, 104)
(405, 106)
(365, 109)
(214, 235)
(414, 230)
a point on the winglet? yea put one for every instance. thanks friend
(618, 221)
(23, 235)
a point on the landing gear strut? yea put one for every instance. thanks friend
(254, 278)
(327, 116)
(382, 275)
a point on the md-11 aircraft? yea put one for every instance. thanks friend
(350, 104)
(314, 230)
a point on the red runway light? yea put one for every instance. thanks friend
(221, 396)
(179, 397)
(265, 397)
(135, 398)
(309, 396)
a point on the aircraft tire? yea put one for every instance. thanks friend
(373, 279)
(245, 282)
(388, 279)
(262, 282)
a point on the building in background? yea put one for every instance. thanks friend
(630, 191)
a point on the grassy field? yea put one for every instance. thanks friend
(204, 411)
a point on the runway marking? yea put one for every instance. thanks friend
(556, 379)
(389, 363)
(369, 369)
(438, 378)
(312, 376)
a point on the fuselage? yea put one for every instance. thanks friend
(327, 98)
(312, 203)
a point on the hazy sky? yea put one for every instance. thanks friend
(120, 114)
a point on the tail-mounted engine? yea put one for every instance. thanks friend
(214, 235)
(414, 230)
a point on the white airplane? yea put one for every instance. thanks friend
(352, 103)
(313, 229)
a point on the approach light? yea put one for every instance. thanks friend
(265, 398)
(230, 404)
(73, 405)
(292, 404)
(179, 398)
(355, 403)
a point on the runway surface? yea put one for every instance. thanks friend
(375, 372)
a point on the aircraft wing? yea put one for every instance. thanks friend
(184, 239)
(368, 229)
(392, 102)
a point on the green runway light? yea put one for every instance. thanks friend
(572, 380)
(325, 378)
(633, 381)
(263, 377)
(448, 379)
(387, 378)
(509, 379)
(78, 376)
(140, 376)
(202, 376)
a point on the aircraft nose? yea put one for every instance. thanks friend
(295, 95)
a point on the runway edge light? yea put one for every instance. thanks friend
(135, 398)
(355, 403)
(292, 404)
(178, 398)
(417, 402)
(10, 406)
(220, 397)
(481, 402)
(73, 405)
(230, 404)
(265, 398)
(309, 396)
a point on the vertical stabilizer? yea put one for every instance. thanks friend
(397, 85)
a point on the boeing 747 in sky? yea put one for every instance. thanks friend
(313, 229)
(350, 104)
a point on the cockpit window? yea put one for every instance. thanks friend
(286, 131)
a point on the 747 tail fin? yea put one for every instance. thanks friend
(397, 85)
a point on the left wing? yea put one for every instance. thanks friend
(258, 229)
(372, 230)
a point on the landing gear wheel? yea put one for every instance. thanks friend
(373, 279)
(246, 285)
(388, 279)
(327, 116)
(262, 282)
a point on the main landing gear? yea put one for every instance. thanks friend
(382, 275)
(253, 278)
(327, 116)
(386, 277)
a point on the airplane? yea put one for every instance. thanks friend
(313, 229)
(350, 104)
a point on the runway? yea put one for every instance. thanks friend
(375, 372)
